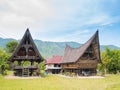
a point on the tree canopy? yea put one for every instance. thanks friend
(111, 60)
(10, 46)
(3, 61)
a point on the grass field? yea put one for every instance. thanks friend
(54, 82)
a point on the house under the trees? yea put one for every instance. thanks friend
(84, 59)
(26, 56)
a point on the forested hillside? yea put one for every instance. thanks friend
(47, 49)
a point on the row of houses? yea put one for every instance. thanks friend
(81, 60)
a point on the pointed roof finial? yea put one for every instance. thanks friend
(26, 40)
(27, 29)
(97, 30)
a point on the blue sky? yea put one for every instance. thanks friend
(61, 20)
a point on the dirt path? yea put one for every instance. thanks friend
(80, 76)
(17, 77)
(33, 77)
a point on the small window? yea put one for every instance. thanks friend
(56, 65)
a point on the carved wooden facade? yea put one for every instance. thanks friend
(84, 59)
(26, 51)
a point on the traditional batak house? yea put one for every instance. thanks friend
(84, 59)
(26, 51)
(53, 64)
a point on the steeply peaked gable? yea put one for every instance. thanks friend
(26, 49)
(74, 54)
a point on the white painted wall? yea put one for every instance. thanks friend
(51, 66)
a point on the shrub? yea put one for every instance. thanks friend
(42, 73)
(5, 72)
(72, 74)
(67, 73)
(34, 73)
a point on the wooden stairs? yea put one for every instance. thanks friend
(25, 72)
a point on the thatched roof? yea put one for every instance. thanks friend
(27, 37)
(72, 55)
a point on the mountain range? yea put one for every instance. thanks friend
(47, 48)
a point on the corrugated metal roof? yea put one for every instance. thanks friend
(54, 60)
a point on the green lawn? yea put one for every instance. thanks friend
(54, 82)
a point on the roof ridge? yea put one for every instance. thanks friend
(89, 42)
(78, 51)
(26, 35)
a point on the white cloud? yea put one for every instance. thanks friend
(16, 15)
(35, 9)
(78, 36)
(44, 17)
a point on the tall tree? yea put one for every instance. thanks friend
(10, 46)
(3, 61)
(111, 60)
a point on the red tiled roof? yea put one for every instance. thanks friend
(54, 60)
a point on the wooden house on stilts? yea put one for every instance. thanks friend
(84, 59)
(26, 51)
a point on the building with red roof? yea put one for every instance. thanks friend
(53, 64)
